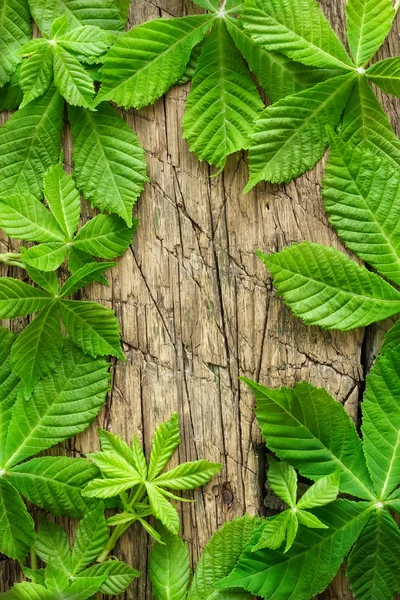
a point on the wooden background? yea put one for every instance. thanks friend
(197, 310)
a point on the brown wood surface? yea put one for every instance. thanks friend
(197, 310)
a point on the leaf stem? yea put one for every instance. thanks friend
(11, 259)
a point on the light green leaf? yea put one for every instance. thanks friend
(381, 423)
(91, 536)
(291, 530)
(139, 457)
(114, 465)
(117, 574)
(324, 491)
(30, 143)
(386, 75)
(17, 530)
(9, 386)
(109, 162)
(162, 509)
(56, 579)
(365, 121)
(147, 60)
(28, 591)
(92, 327)
(112, 443)
(324, 287)
(192, 64)
(108, 488)
(316, 554)
(78, 259)
(368, 23)
(374, 568)
(165, 441)
(297, 29)
(48, 281)
(18, 299)
(361, 194)
(105, 236)
(282, 479)
(188, 476)
(100, 13)
(83, 277)
(169, 568)
(52, 545)
(45, 257)
(223, 102)
(309, 520)
(219, 558)
(26, 218)
(11, 94)
(289, 137)
(88, 43)
(84, 588)
(211, 5)
(55, 483)
(15, 30)
(63, 199)
(36, 73)
(38, 349)
(307, 428)
(62, 405)
(71, 79)
(273, 533)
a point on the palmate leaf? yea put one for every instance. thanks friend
(71, 79)
(63, 199)
(112, 464)
(162, 509)
(274, 532)
(316, 555)
(26, 218)
(83, 277)
(113, 443)
(55, 483)
(282, 479)
(100, 13)
(166, 439)
(169, 568)
(373, 568)
(223, 102)
(47, 281)
(361, 194)
(52, 545)
(324, 491)
(108, 488)
(17, 531)
(15, 30)
(188, 476)
(87, 43)
(109, 162)
(297, 29)
(45, 257)
(147, 60)
(105, 236)
(78, 259)
(386, 75)
(308, 429)
(61, 406)
(368, 23)
(36, 73)
(324, 287)
(289, 137)
(218, 559)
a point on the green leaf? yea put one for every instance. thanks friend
(87, 43)
(139, 458)
(15, 30)
(113, 465)
(100, 13)
(78, 259)
(62, 405)
(52, 545)
(26, 218)
(11, 94)
(162, 509)
(316, 554)
(307, 428)
(112, 443)
(361, 194)
(386, 75)
(289, 137)
(63, 199)
(109, 162)
(18, 299)
(105, 236)
(91, 536)
(123, 6)
(282, 479)
(365, 121)
(17, 532)
(36, 73)
(291, 530)
(223, 102)
(188, 476)
(9, 386)
(92, 327)
(391, 339)
(71, 79)
(48, 281)
(118, 576)
(28, 591)
(324, 491)
(273, 533)
(192, 64)
(165, 441)
(211, 5)
(169, 568)
(84, 588)
(108, 488)
(147, 60)
(374, 568)
(297, 29)
(381, 423)
(30, 143)
(219, 558)
(368, 23)
(309, 520)
(55, 483)
(56, 579)
(45, 257)
(324, 287)
(83, 277)
(38, 349)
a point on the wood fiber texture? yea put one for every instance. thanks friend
(197, 310)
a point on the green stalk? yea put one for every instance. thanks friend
(11, 259)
